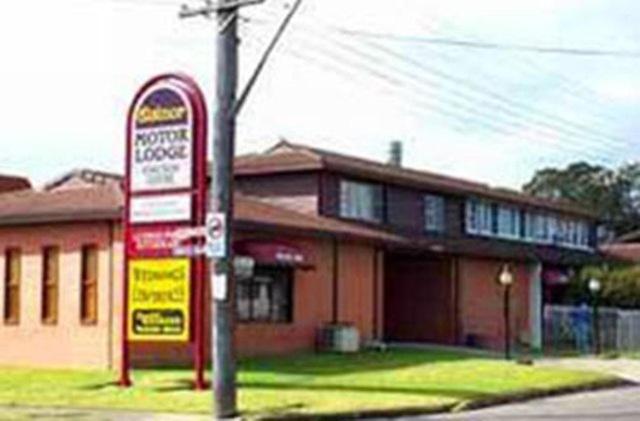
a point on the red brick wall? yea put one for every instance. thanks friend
(68, 343)
(480, 301)
(312, 307)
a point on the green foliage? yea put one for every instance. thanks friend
(620, 286)
(613, 194)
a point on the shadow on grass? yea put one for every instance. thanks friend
(457, 394)
(178, 385)
(99, 386)
(329, 364)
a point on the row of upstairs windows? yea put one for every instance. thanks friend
(366, 202)
(509, 222)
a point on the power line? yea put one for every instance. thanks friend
(491, 96)
(459, 110)
(560, 123)
(586, 52)
(549, 121)
(572, 88)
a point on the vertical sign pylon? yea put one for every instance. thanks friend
(165, 194)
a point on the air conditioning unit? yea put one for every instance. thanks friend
(339, 338)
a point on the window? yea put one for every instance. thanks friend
(360, 201)
(508, 222)
(537, 227)
(267, 296)
(12, 286)
(434, 213)
(50, 278)
(479, 215)
(89, 285)
(584, 234)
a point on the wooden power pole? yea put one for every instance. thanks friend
(226, 109)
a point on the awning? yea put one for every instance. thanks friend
(555, 276)
(273, 252)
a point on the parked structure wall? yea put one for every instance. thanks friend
(480, 302)
(68, 342)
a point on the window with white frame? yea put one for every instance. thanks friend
(361, 201)
(479, 217)
(536, 227)
(434, 213)
(584, 234)
(508, 222)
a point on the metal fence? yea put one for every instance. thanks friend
(566, 331)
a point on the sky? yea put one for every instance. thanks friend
(350, 76)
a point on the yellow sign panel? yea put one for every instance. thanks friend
(159, 296)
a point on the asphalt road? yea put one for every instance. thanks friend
(613, 404)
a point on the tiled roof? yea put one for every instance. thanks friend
(102, 202)
(11, 183)
(630, 237)
(290, 157)
(627, 252)
(32, 206)
(85, 176)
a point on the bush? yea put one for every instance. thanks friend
(620, 286)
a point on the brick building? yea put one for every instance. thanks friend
(625, 248)
(403, 255)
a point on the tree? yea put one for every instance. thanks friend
(613, 194)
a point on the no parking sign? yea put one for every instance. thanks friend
(216, 233)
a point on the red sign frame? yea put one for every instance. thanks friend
(196, 120)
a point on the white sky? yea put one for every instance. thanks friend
(69, 69)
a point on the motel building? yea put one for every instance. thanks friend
(401, 255)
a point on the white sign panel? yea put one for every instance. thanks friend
(220, 286)
(161, 155)
(165, 208)
(216, 238)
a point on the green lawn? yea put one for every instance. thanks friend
(302, 384)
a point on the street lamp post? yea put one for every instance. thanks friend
(506, 280)
(594, 288)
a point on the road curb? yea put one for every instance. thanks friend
(539, 394)
(454, 407)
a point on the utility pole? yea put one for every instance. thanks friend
(221, 192)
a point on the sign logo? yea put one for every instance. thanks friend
(162, 145)
(159, 294)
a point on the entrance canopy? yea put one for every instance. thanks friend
(274, 252)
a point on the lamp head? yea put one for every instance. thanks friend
(594, 285)
(506, 277)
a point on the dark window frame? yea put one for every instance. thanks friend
(441, 209)
(251, 284)
(49, 310)
(12, 287)
(379, 201)
(88, 316)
